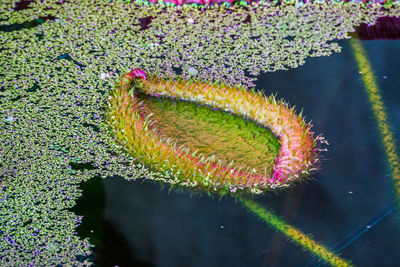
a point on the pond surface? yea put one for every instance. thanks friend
(348, 205)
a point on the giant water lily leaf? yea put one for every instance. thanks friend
(214, 137)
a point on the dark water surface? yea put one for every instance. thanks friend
(347, 206)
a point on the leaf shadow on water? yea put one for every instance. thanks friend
(110, 246)
(25, 25)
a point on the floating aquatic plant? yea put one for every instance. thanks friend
(46, 128)
(299, 148)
